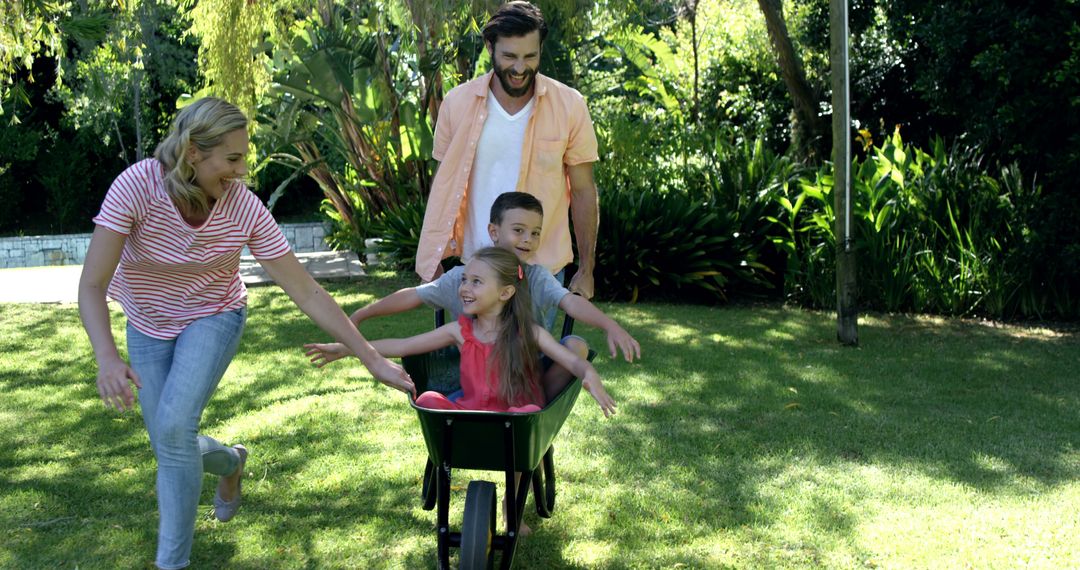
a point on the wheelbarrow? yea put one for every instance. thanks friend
(489, 441)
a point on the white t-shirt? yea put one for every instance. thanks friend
(495, 169)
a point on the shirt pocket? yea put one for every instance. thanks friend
(548, 155)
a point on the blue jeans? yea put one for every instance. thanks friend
(178, 377)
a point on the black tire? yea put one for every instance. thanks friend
(428, 491)
(478, 528)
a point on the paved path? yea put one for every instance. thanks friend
(60, 284)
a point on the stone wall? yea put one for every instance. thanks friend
(70, 249)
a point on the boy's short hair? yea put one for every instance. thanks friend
(512, 201)
(515, 19)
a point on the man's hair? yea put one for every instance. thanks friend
(514, 200)
(515, 19)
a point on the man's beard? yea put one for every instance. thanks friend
(504, 79)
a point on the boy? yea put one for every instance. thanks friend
(515, 225)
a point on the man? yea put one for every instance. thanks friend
(513, 129)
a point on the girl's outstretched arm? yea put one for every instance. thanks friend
(580, 367)
(317, 304)
(445, 335)
(322, 354)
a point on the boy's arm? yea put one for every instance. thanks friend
(397, 302)
(578, 366)
(617, 338)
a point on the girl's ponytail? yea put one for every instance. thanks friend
(516, 353)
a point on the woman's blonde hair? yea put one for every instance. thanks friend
(203, 124)
(516, 355)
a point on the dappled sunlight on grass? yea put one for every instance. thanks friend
(746, 437)
(1037, 532)
(591, 553)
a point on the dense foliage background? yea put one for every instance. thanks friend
(713, 118)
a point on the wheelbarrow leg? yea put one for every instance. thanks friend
(515, 499)
(443, 515)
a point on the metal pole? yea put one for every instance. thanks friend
(846, 311)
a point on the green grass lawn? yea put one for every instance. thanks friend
(746, 438)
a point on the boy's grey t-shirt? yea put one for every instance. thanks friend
(545, 290)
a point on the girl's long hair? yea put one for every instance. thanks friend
(516, 353)
(203, 124)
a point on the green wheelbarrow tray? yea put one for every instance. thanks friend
(487, 441)
(475, 440)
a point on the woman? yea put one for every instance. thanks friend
(167, 248)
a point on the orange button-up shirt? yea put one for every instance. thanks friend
(559, 134)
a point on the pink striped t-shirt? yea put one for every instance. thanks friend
(170, 273)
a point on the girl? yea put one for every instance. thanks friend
(499, 342)
(167, 247)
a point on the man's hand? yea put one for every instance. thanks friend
(582, 283)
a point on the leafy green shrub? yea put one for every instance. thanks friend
(743, 179)
(658, 241)
(398, 229)
(935, 232)
(18, 149)
(693, 219)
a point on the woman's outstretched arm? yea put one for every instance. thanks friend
(317, 304)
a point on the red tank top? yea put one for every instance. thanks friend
(480, 392)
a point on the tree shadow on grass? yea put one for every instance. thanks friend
(728, 411)
(78, 480)
(711, 423)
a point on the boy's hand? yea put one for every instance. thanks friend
(595, 387)
(618, 338)
(324, 353)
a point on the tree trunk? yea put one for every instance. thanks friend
(847, 316)
(695, 105)
(808, 132)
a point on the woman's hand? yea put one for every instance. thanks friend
(112, 384)
(391, 374)
(385, 371)
(322, 354)
(592, 384)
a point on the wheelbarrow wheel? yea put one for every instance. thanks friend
(478, 527)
